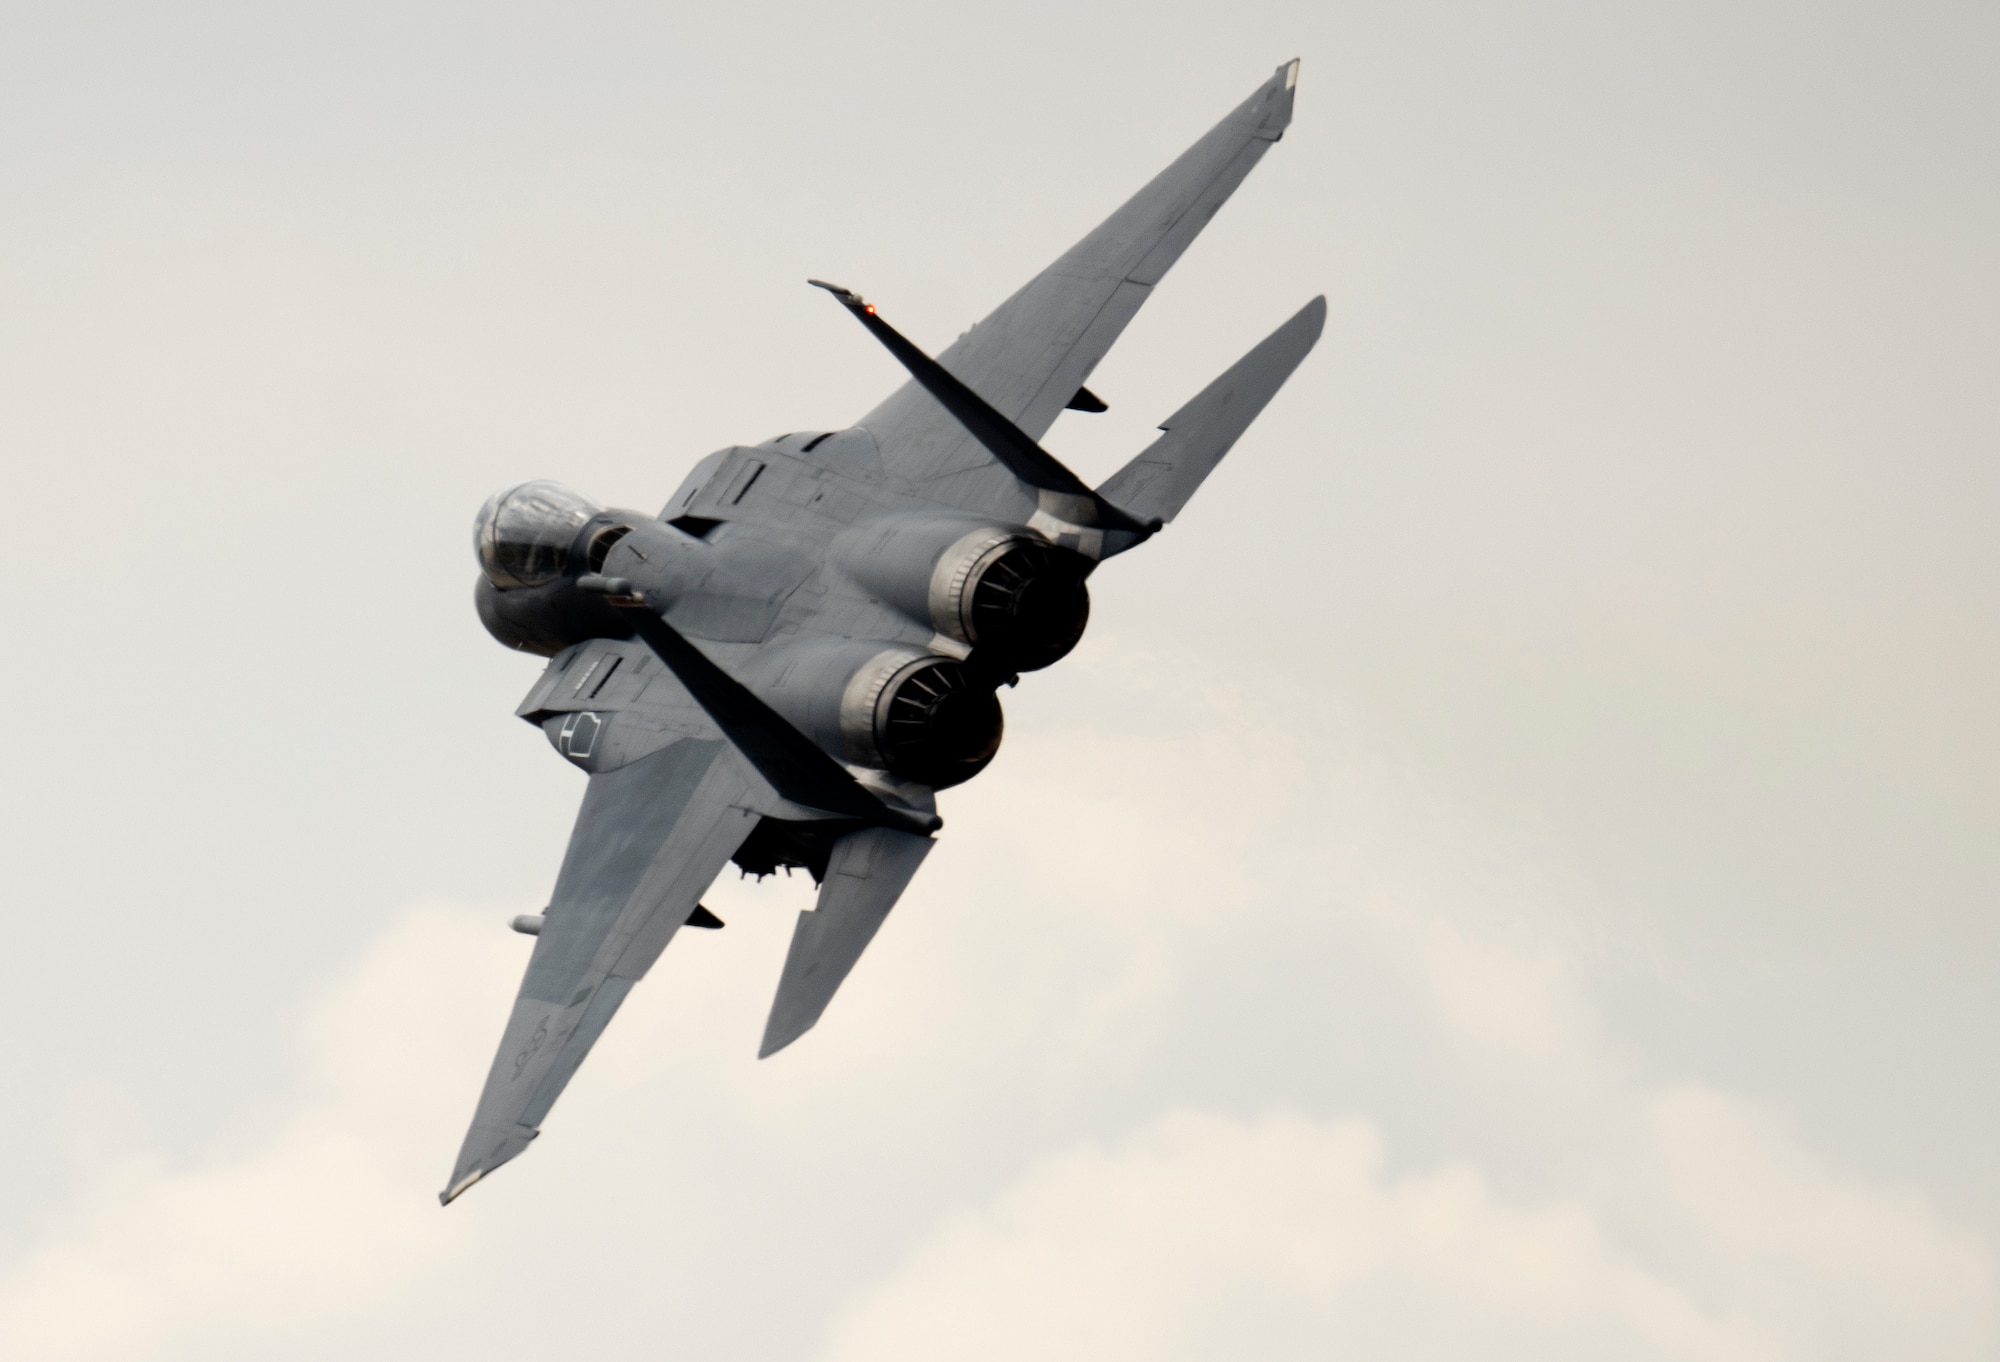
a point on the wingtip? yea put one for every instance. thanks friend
(482, 1155)
(1308, 320)
(1274, 101)
(777, 1037)
(459, 1188)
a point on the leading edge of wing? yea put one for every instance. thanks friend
(1028, 358)
(649, 840)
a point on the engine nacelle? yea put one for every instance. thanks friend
(896, 708)
(1020, 600)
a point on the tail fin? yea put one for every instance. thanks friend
(1161, 479)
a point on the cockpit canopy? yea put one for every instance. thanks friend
(524, 535)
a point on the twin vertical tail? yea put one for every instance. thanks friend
(1010, 446)
(1140, 498)
(1159, 482)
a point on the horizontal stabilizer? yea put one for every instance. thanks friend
(1160, 480)
(867, 874)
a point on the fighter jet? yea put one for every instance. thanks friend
(784, 666)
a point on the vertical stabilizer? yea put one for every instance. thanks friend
(1158, 483)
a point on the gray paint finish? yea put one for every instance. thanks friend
(1036, 349)
(868, 873)
(625, 816)
(649, 840)
(1161, 480)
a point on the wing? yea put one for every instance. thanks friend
(650, 838)
(1030, 357)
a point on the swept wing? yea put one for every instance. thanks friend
(650, 838)
(1032, 355)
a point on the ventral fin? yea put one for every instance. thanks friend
(1086, 400)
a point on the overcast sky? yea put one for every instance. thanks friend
(1510, 874)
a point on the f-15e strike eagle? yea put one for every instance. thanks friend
(785, 665)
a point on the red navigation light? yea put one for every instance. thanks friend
(871, 308)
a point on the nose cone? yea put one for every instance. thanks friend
(524, 535)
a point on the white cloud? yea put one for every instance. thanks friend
(1670, 1224)
(1284, 1231)
(325, 1210)
(1205, 1235)
(1852, 1270)
(1686, 1224)
(1516, 1002)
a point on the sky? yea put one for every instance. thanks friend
(1510, 873)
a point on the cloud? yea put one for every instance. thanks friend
(1283, 1230)
(1523, 1004)
(1641, 1222)
(1851, 1270)
(323, 1210)
(1203, 1235)
(1579, 1209)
